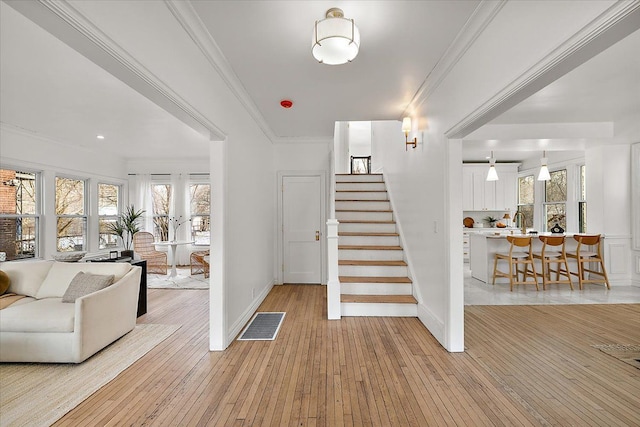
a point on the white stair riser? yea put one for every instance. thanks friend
(367, 255)
(364, 215)
(362, 206)
(359, 178)
(373, 270)
(379, 309)
(361, 186)
(364, 227)
(376, 288)
(369, 240)
(361, 195)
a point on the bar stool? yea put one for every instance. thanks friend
(584, 255)
(550, 254)
(515, 258)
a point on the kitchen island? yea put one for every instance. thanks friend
(483, 246)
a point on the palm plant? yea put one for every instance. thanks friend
(126, 225)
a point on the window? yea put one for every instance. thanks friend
(71, 214)
(526, 199)
(555, 197)
(19, 209)
(582, 202)
(108, 210)
(161, 203)
(200, 213)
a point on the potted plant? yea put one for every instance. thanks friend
(125, 227)
(490, 220)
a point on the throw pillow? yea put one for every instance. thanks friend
(84, 284)
(5, 282)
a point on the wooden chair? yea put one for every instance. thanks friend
(143, 246)
(553, 252)
(584, 255)
(198, 263)
(515, 258)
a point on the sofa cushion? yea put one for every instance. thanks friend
(45, 315)
(85, 284)
(26, 276)
(5, 282)
(61, 274)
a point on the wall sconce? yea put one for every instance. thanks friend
(544, 170)
(492, 175)
(406, 128)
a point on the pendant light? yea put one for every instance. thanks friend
(544, 170)
(492, 175)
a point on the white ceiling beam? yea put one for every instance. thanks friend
(525, 131)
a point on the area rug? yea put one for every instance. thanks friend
(38, 394)
(627, 353)
(181, 281)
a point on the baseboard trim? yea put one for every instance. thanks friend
(248, 313)
(434, 325)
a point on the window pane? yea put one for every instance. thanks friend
(200, 229)
(582, 217)
(17, 192)
(525, 190)
(161, 198)
(527, 210)
(71, 232)
(19, 237)
(555, 214)
(69, 196)
(161, 228)
(200, 199)
(556, 187)
(583, 186)
(106, 238)
(108, 199)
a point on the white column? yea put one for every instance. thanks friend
(333, 282)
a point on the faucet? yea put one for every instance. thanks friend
(523, 226)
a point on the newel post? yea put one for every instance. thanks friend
(333, 282)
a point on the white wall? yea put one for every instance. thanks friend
(241, 166)
(21, 149)
(359, 139)
(341, 136)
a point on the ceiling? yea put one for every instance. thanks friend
(49, 89)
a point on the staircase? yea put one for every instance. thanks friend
(373, 274)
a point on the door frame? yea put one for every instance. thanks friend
(323, 219)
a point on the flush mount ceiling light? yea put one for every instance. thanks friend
(544, 170)
(336, 39)
(492, 175)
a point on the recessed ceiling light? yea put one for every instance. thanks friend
(100, 136)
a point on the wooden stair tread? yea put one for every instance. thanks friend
(361, 200)
(359, 221)
(370, 247)
(358, 174)
(372, 262)
(360, 210)
(393, 299)
(373, 279)
(355, 233)
(361, 191)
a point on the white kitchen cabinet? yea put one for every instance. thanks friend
(478, 194)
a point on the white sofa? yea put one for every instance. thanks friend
(41, 328)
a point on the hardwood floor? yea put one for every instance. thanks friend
(524, 366)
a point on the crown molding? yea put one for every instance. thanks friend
(190, 21)
(65, 22)
(617, 22)
(475, 25)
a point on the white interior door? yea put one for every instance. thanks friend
(301, 229)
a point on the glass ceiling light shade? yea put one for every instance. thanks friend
(544, 170)
(336, 39)
(492, 175)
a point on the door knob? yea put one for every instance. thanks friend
(317, 235)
